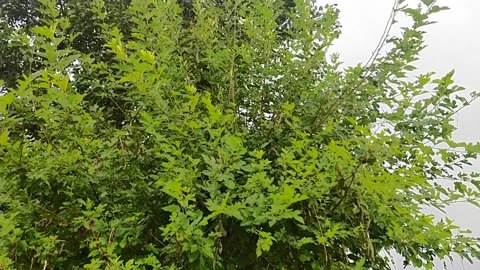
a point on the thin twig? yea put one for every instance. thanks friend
(352, 178)
(368, 66)
(348, 187)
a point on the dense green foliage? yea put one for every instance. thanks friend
(158, 134)
(83, 22)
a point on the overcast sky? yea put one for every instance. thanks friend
(453, 43)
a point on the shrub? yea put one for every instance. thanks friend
(223, 135)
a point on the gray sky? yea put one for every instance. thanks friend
(453, 43)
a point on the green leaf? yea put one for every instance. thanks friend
(44, 31)
(427, 2)
(4, 138)
(5, 100)
(436, 9)
(172, 208)
(264, 242)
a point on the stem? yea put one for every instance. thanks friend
(368, 66)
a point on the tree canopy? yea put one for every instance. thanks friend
(162, 134)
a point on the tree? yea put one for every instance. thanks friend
(24, 14)
(226, 139)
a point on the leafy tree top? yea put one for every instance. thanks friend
(222, 135)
